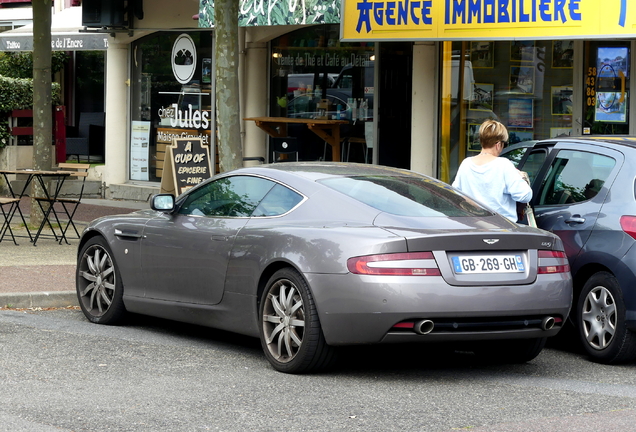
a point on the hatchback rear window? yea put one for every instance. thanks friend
(407, 196)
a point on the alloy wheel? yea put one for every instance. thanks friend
(96, 281)
(598, 318)
(283, 320)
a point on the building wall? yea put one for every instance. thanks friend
(167, 14)
(424, 118)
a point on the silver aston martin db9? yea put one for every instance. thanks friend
(312, 256)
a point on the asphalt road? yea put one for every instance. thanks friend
(62, 373)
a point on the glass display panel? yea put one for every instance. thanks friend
(606, 102)
(526, 85)
(315, 76)
(165, 108)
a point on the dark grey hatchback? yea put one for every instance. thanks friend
(585, 192)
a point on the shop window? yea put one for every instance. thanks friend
(526, 85)
(171, 98)
(315, 76)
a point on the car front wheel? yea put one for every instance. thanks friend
(98, 284)
(601, 321)
(291, 336)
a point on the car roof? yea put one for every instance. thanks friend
(522, 144)
(319, 170)
(629, 141)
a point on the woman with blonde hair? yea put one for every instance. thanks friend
(492, 180)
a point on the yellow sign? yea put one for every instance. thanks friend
(377, 20)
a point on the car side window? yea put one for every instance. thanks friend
(235, 196)
(534, 163)
(278, 201)
(516, 155)
(575, 176)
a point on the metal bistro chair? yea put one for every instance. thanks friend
(284, 146)
(13, 204)
(69, 205)
(346, 144)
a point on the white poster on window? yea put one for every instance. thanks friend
(139, 154)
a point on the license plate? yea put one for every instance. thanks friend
(488, 264)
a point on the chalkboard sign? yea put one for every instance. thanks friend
(189, 165)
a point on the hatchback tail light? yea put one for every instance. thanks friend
(397, 264)
(562, 267)
(628, 224)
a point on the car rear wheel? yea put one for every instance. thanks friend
(601, 321)
(291, 336)
(98, 284)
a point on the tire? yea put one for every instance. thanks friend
(601, 321)
(510, 351)
(290, 331)
(98, 283)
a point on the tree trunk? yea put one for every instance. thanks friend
(226, 55)
(42, 109)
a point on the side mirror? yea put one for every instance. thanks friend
(162, 202)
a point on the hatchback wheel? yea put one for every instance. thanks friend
(98, 284)
(291, 336)
(601, 321)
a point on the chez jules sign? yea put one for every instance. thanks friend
(485, 19)
(71, 42)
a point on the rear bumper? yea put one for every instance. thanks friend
(363, 309)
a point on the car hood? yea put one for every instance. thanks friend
(138, 217)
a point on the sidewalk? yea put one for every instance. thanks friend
(44, 275)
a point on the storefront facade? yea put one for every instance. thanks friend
(399, 65)
(310, 74)
(159, 86)
(288, 68)
(571, 77)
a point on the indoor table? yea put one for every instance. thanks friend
(328, 130)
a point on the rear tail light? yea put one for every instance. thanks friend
(628, 224)
(561, 267)
(397, 264)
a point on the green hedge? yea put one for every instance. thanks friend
(17, 93)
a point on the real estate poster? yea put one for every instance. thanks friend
(139, 154)
(520, 113)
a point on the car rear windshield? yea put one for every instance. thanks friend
(407, 196)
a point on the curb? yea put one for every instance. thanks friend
(39, 299)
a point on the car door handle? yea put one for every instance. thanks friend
(575, 219)
(219, 238)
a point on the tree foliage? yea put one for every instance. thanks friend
(20, 64)
(17, 93)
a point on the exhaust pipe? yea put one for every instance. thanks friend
(424, 327)
(547, 323)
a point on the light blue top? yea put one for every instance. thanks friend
(497, 184)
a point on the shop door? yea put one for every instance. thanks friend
(394, 108)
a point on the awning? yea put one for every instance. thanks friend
(276, 12)
(66, 35)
